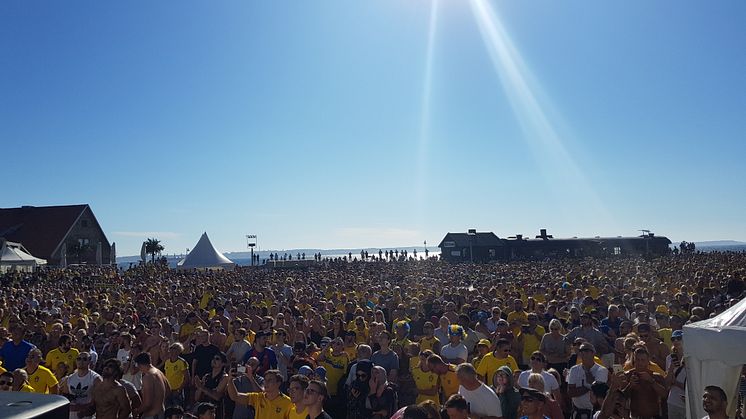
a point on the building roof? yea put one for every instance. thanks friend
(39, 229)
(475, 239)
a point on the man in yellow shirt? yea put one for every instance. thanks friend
(447, 374)
(530, 337)
(269, 404)
(177, 373)
(335, 361)
(425, 379)
(517, 317)
(40, 378)
(490, 363)
(296, 389)
(429, 341)
(63, 353)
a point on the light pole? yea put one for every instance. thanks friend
(251, 243)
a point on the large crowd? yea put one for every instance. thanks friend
(557, 339)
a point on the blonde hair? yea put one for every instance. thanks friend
(536, 382)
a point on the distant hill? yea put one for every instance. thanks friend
(718, 243)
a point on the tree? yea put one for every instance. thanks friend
(153, 247)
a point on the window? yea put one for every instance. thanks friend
(617, 250)
(449, 244)
(84, 242)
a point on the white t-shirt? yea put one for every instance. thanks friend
(80, 389)
(550, 383)
(577, 378)
(455, 352)
(483, 401)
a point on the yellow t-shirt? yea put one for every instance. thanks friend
(449, 382)
(294, 414)
(428, 343)
(55, 357)
(665, 335)
(425, 380)
(276, 408)
(351, 351)
(2, 370)
(175, 372)
(336, 366)
(42, 379)
(489, 365)
(25, 388)
(206, 297)
(518, 317)
(531, 343)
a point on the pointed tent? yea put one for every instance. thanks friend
(13, 256)
(204, 256)
(714, 355)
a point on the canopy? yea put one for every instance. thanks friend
(13, 256)
(204, 256)
(714, 356)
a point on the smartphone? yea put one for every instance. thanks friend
(241, 369)
(618, 368)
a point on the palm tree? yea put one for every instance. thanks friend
(152, 247)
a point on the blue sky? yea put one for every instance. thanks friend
(376, 123)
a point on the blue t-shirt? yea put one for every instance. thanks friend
(14, 356)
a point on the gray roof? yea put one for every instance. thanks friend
(478, 239)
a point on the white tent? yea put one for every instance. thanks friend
(13, 256)
(204, 256)
(714, 355)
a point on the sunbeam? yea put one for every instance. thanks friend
(524, 94)
(422, 146)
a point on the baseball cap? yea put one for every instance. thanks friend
(484, 342)
(677, 334)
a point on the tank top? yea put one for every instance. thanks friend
(80, 389)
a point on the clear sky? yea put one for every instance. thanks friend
(376, 123)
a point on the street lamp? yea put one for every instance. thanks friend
(251, 243)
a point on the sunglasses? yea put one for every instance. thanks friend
(528, 399)
(6, 383)
(536, 358)
(675, 339)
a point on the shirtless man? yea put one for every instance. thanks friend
(154, 389)
(109, 398)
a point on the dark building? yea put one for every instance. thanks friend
(546, 246)
(471, 247)
(48, 232)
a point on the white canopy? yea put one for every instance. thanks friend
(714, 356)
(13, 256)
(204, 255)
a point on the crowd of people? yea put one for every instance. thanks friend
(557, 339)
